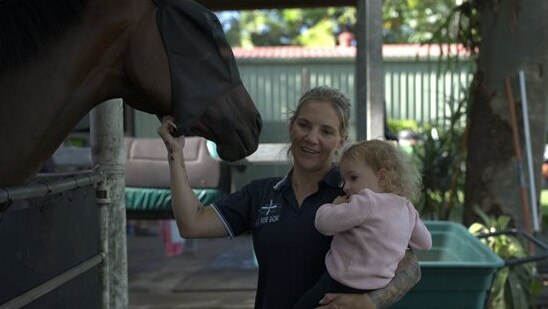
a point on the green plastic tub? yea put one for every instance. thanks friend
(456, 273)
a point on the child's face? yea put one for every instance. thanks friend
(358, 176)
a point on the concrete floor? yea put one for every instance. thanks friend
(211, 273)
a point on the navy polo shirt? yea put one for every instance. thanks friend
(289, 249)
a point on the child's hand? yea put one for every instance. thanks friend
(340, 199)
(174, 145)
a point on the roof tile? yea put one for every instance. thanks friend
(388, 50)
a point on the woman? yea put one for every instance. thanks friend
(280, 212)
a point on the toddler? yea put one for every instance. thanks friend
(373, 225)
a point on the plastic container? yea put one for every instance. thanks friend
(456, 273)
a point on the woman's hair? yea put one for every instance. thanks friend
(339, 101)
(402, 177)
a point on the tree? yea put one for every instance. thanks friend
(310, 27)
(414, 21)
(409, 21)
(513, 37)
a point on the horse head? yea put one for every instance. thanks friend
(196, 79)
(61, 58)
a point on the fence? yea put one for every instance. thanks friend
(49, 231)
(421, 87)
(414, 89)
(105, 207)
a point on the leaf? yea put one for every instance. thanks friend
(477, 228)
(292, 15)
(318, 35)
(517, 296)
(482, 215)
(497, 298)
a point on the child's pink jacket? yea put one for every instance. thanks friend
(371, 233)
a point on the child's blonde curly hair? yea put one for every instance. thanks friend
(402, 177)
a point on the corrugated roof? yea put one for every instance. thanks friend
(388, 50)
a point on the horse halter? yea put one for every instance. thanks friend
(197, 50)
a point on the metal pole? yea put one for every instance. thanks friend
(519, 157)
(50, 285)
(369, 72)
(108, 156)
(50, 186)
(102, 240)
(528, 151)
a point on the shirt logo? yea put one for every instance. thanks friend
(268, 213)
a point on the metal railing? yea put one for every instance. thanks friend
(43, 187)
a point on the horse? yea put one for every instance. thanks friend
(61, 58)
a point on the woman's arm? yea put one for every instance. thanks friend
(193, 219)
(407, 275)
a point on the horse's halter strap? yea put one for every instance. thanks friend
(201, 62)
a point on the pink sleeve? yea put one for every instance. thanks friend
(421, 237)
(332, 219)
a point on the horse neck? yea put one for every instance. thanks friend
(44, 98)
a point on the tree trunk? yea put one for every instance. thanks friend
(513, 39)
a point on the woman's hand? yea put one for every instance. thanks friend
(340, 199)
(174, 145)
(346, 301)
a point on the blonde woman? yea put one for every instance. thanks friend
(279, 212)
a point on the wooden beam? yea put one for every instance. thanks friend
(235, 5)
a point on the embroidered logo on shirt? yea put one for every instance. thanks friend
(268, 213)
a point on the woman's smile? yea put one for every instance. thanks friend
(309, 151)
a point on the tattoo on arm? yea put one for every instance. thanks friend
(170, 153)
(407, 275)
(171, 156)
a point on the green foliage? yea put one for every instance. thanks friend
(404, 21)
(397, 125)
(414, 21)
(441, 162)
(544, 205)
(441, 156)
(75, 141)
(461, 26)
(515, 286)
(309, 27)
(316, 36)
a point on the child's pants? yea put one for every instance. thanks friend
(325, 285)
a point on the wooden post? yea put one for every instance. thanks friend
(369, 72)
(108, 155)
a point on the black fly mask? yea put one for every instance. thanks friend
(197, 50)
